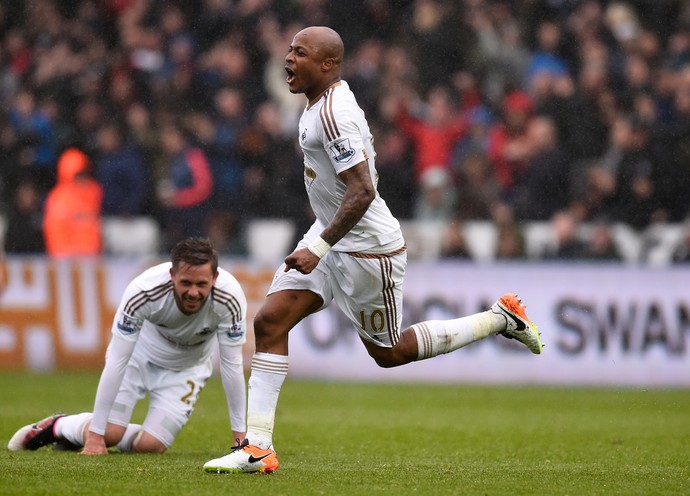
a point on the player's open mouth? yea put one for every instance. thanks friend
(290, 75)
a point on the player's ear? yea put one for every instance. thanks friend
(172, 273)
(215, 277)
(328, 64)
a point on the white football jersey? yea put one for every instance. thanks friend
(334, 136)
(169, 338)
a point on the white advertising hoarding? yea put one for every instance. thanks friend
(602, 324)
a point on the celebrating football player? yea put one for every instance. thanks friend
(163, 335)
(353, 254)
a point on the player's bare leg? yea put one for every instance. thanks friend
(129, 439)
(404, 351)
(281, 312)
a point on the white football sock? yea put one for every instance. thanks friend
(436, 337)
(268, 374)
(71, 427)
(127, 442)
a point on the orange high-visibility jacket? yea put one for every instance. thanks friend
(72, 219)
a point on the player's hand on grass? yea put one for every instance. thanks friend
(95, 445)
(301, 260)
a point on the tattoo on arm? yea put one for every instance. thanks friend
(358, 196)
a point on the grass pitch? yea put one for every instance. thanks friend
(376, 439)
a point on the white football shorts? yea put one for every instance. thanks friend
(172, 396)
(366, 287)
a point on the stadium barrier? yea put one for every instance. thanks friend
(602, 324)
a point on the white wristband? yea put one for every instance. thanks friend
(319, 247)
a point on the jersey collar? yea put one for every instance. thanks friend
(316, 99)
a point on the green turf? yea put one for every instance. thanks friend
(352, 439)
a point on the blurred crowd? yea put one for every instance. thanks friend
(509, 112)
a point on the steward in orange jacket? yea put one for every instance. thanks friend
(72, 219)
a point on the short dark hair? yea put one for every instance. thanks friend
(194, 251)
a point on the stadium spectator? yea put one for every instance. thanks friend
(145, 137)
(433, 126)
(476, 140)
(549, 80)
(636, 201)
(222, 158)
(186, 186)
(673, 136)
(453, 242)
(121, 171)
(224, 230)
(18, 58)
(226, 66)
(72, 218)
(433, 34)
(508, 145)
(272, 172)
(500, 54)
(478, 192)
(437, 197)
(142, 61)
(542, 188)
(600, 244)
(510, 242)
(466, 85)
(33, 129)
(399, 76)
(163, 335)
(24, 232)
(274, 39)
(365, 73)
(230, 121)
(546, 63)
(397, 182)
(621, 184)
(88, 118)
(583, 120)
(595, 182)
(17, 161)
(566, 243)
(354, 254)
(637, 76)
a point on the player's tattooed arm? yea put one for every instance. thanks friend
(358, 196)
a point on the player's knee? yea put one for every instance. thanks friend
(155, 448)
(385, 362)
(261, 325)
(262, 328)
(267, 330)
(392, 357)
(386, 357)
(146, 443)
(280, 312)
